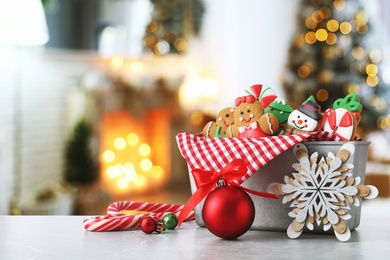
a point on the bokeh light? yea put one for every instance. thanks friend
(157, 171)
(310, 37)
(372, 81)
(146, 164)
(303, 71)
(122, 183)
(332, 25)
(136, 67)
(117, 61)
(144, 149)
(331, 39)
(339, 4)
(321, 35)
(310, 23)
(372, 69)
(108, 156)
(132, 139)
(181, 44)
(345, 27)
(358, 53)
(325, 12)
(322, 95)
(162, 48)
(120, 143)
(140, 180)
(324, 77)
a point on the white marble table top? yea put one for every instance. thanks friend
(63, 237)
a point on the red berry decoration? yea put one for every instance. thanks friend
(228, 212)
(148, 225)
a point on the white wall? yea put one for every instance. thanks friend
(245, 42)
(45, 78)
(6, 121)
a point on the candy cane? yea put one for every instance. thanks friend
(116, 220)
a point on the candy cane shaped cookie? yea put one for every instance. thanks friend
(340, 121)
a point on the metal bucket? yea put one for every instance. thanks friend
(272, 214)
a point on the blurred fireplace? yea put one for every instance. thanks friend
(137, 128)
(135, 152)
(136, 114)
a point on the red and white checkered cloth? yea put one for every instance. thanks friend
(215, 153)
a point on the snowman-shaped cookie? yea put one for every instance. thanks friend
(305, 119)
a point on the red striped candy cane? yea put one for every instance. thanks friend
(116, 220)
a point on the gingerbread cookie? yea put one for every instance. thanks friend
(217, 128)
(250, 121)
(305, 119)
(344, 117)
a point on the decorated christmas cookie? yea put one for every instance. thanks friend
(344, 117)
(250, 119)
(217, 128)
(281, 110)
(305, 119)
(263, 93)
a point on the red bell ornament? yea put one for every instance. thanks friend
(228, 212)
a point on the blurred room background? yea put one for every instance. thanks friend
(93, 92)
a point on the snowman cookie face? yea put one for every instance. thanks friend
(300, 121)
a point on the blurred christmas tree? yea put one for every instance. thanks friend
(172, 22)
(81, 167)
(337, 50)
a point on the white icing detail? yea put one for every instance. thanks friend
(230, 131)
(280, 100)
(220, 119)
(208, 129)
(232, 109)
(241, 119)
(251, 116)
(269, 124)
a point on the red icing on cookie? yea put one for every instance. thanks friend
(340, 121)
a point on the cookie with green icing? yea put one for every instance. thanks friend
(281, 110)
(350, 102)
(220, 126)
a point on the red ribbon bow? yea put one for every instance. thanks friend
(245, 99)
(206, 181)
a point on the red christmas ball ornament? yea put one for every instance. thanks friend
(148, 225)
(228, 212)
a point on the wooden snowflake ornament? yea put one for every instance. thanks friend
(321, 191)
